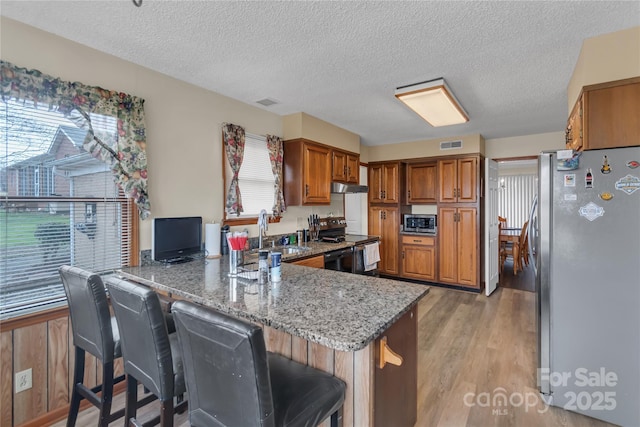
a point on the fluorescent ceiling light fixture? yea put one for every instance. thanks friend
(434, 102)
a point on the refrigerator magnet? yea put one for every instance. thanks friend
(632, 164)
(588, 179)
(591, 211)
(569, 164)
(570, 180)
(605, 165)
(629, 184)
(606, 196)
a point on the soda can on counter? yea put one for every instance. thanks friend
(276, 261)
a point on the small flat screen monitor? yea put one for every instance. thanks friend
(175, 239)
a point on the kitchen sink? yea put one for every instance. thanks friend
(251, 256)
(285, 250)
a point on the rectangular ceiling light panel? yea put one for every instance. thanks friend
(434, 102)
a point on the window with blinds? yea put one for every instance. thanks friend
(256, 181)
(515, 196)
(58, 205)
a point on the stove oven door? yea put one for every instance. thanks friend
(339, 260)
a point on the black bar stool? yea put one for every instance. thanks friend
(150, 353)
(95, 332)
(233, 381)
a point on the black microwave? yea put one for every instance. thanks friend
(427, 224)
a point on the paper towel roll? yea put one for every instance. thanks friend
(212, 240)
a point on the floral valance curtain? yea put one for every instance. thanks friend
(233, 139)
(123, 151)
(275, 145)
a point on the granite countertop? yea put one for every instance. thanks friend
(341, 311)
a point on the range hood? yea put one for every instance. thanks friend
(340, 188)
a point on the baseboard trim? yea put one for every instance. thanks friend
(60, 413)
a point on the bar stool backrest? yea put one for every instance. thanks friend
(144, 337)
(236, 389)
(89, 311)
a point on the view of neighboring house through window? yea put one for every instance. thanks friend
(58, 205)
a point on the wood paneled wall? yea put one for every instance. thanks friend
(47, 348)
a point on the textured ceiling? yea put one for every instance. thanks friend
(508, 63)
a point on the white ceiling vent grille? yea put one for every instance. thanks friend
(267, 102)
(450, 145)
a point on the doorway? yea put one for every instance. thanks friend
(517, 187)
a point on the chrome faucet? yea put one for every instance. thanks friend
(263, 224)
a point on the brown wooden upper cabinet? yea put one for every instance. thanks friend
(422, 183)
(573, 133)
(606, 115)
(307, 173)
(345, 167)
(458, 180)
(384, 182)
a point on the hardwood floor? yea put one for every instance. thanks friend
(471, 348)
(525, 280)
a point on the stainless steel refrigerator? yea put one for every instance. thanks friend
(586, 230)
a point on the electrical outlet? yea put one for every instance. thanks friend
(23, 380)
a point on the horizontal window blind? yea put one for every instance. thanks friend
(515, 195)
(256, 181)
(58, 205)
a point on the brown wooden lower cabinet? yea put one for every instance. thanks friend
(458, 246)
(419, 257)
(315, 261)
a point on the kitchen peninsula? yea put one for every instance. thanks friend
(341, 323)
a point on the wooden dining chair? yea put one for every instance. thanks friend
(502, 245)
(518, 249)
(524, 246)
(502, 223)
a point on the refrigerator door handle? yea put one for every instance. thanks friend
(532, 228)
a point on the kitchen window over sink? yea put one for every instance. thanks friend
(256, 181)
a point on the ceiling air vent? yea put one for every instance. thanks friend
(450, 145)
(267, 102)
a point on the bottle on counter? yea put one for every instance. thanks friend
(263, 267)
(276, 260)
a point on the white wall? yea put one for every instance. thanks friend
(522, 146)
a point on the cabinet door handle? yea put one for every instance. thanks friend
(387, 355)
(349, 171)
(384, 194)
(381, 194)
(345, 170)
(409, 193)
(306, 189)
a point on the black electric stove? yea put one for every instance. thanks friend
(349, 259)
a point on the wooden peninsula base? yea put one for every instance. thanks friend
(375, 397)
(361, 329)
